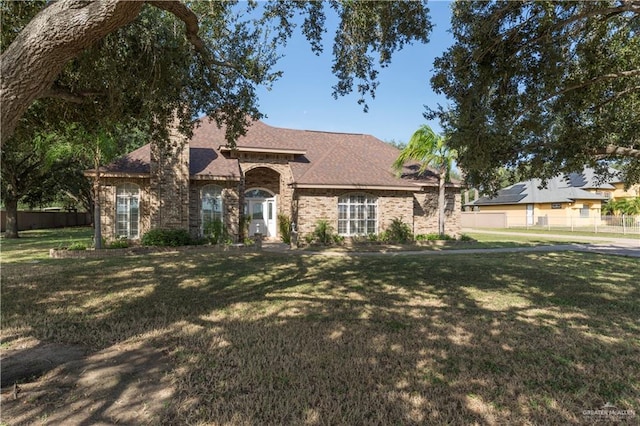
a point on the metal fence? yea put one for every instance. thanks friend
(626, 225)
(610, 224)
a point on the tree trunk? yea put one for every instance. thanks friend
(97, 227)
(56, 35)
(441, 202)
(11, 206)
(97, 220)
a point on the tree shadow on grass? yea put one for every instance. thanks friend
(269, 339)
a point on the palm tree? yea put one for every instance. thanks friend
(431, 151)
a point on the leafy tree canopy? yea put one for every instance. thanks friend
(136, 63)
(542, 88)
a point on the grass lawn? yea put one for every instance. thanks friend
(578, 232)
(263, 338)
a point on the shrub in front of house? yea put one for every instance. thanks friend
(77, 246)
(117, 244)
(397, 232)
(324, 234)
(215, 232)
(434, 237)
(166, 238)
(284, 226)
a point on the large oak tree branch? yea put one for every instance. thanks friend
(62, 30)
(610, 151)
(586, 83)
(186, 15)
(577, 86)
(56, 35)
(61, 93)
(628, 6)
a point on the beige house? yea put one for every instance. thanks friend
(343, 178)
(566, 201)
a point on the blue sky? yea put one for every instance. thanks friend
(302, 99)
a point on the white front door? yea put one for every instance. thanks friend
(263, 216)
(529, 214)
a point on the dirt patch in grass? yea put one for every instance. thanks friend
(122, 384)
(28, 359)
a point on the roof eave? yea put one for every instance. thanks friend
(109, 174)
(356, 186)
(263, 150)
(215, 177)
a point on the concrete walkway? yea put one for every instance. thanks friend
(604, 245)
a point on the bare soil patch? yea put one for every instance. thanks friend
(59, 384)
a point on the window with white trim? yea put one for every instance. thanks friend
(128, 211)
(357, 214)
(210, 206)
(584, 211)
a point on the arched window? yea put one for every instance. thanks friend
(258, 193)
(211, 208)
(128, 211)
(357, 214)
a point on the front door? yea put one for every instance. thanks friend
(529, 214)
(263, 216)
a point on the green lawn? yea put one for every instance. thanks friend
(524, 338)
(577, 232)
(34, 245)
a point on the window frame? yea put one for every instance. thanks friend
(127, 191)
(355, 211)
(213, 217)
(585, 211)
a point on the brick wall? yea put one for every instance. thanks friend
(169, 183)
(394, 204)
(312, 205)
(418, 210)
(425, 212)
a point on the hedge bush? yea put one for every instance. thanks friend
(166, 238)
(434, 237)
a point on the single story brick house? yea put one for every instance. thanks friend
(343, 178)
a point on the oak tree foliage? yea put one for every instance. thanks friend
(121, 67)
(542, 87)
(137, 63)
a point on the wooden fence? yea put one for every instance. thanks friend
(45, 220)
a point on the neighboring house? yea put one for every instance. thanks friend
(612, 189)
(344, 178)
(620, 192)
(568, 200)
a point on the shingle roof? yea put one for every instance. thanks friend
(560, 189)
(330, 159)
(136, 162)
